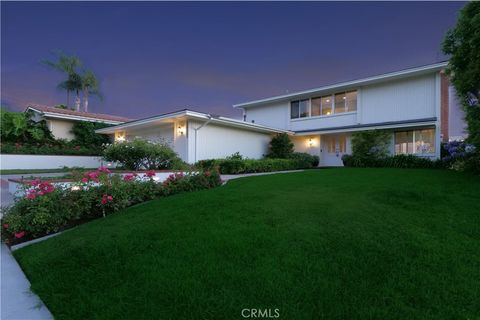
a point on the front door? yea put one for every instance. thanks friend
(333, 148)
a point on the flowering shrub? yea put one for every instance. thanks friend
(456, 149)
(45, 208)
(461, 156)
(141, 154)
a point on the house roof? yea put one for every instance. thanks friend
(76, 115)
(171, 116)
(347, 85)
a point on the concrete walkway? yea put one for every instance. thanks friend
(17, 301)
(226, 177)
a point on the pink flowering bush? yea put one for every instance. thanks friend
(44, 208)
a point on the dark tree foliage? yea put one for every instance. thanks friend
(462, 43)
(281, 147)
(85, 133)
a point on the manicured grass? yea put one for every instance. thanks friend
(333, 244)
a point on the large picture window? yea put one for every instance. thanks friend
(324, 106)
(415, 142)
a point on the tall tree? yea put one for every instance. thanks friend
(68, 65)
(90, 86)
(462, 43)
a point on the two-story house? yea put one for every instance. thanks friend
(416, 105)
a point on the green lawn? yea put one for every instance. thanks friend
(333, 244)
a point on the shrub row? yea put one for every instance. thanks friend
(50, 149)
(397, 161)
(47, 208)
(236, 166)
(141, 154)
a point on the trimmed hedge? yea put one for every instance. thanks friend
(50, 149)
(236, 166)
(397, 161)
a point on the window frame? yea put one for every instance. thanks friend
(309, 108)
(414, 148)
(333, 107)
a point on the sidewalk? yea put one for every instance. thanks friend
(17, 301)
(226, 177)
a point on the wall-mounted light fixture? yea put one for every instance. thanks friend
(181, 128)
(119, 136)
(311, 142)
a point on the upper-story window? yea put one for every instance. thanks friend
(324, 106)
(300, 109)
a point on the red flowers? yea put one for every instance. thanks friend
(173, 178)
(31, 194)
(45, 187)
(207, 173)
(39, 188)
(150, 173)
(93, 175)
(129, 177)
(103, 169)
(106, 199)
(6, 225)
(20, 234)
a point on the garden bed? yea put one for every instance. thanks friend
(43, 207)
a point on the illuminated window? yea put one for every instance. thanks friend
(415, 142)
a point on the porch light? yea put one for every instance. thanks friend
(119, 136)
(180, 131)
(311, 142)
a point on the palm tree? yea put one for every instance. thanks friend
(71, 84)
(90, 86)
(69, 65)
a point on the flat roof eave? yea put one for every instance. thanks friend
(348, 84)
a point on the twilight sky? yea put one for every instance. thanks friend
(155, 57)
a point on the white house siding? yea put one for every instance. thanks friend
(407, 99)
(61, 129)
(163, 133)
(159, 133)
(331, 121)
(276, 115)
(216, 141)
(27, 161)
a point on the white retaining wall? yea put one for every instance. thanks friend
(27, 161)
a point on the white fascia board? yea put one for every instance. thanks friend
(135, 123)
(193, 115)
(377, 127)
(71, 117)
(78, 118)
(347, 85)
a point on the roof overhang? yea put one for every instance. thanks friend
(189, 115)
(71, 117)
(426, 122)
(432, 68)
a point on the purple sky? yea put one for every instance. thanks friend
(155, 57)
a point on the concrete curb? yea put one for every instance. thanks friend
(18, 302)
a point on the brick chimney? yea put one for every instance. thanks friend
(444, 105)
